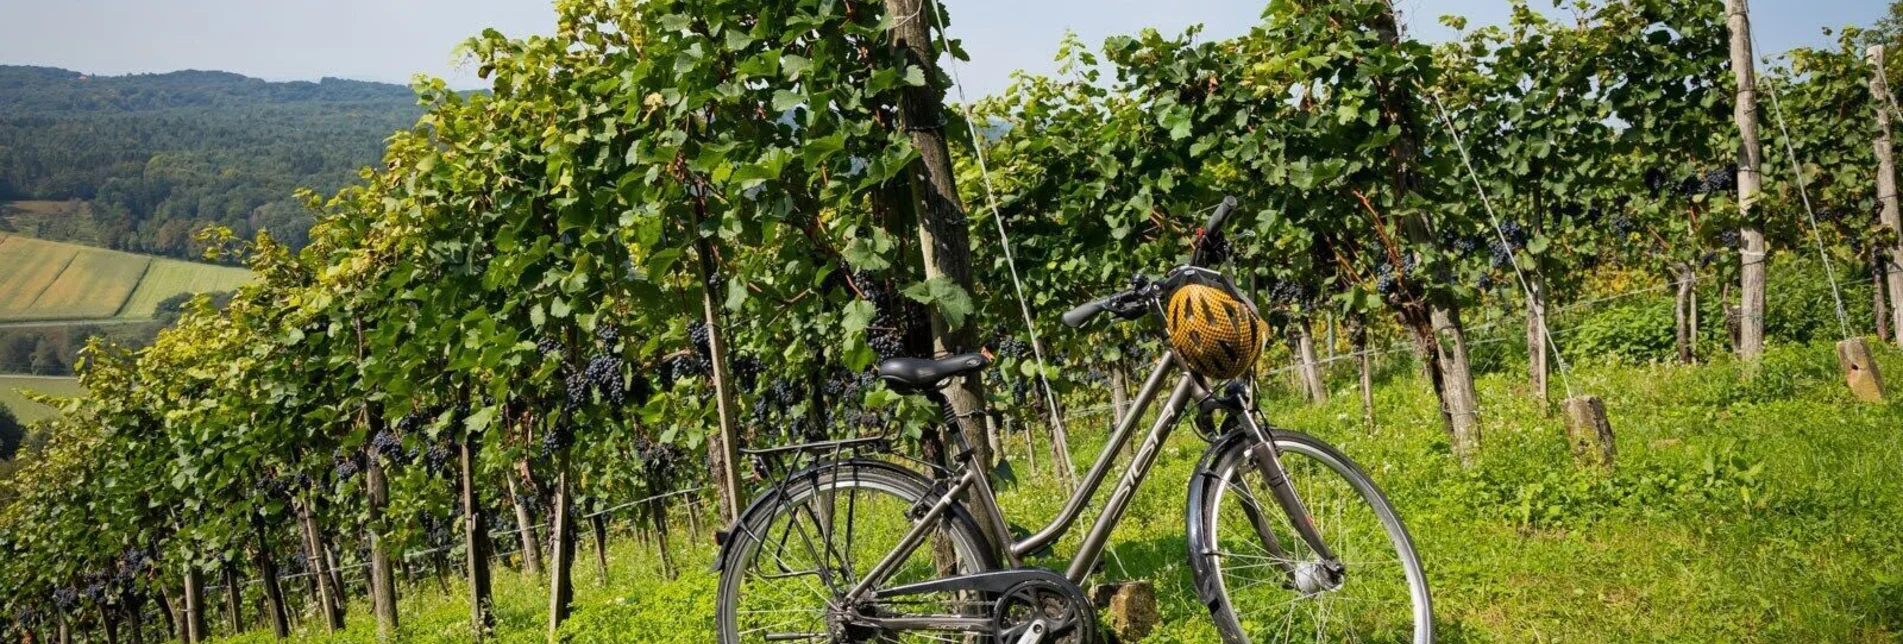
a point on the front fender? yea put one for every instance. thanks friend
(1201, 484)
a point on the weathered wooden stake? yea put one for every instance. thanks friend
(1860, 370)
(1886, 191)
(1755, 252)
(1311, 369)
(1589, 431)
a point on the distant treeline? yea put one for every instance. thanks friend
(162, 155)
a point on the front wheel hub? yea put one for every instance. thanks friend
(1315, 578)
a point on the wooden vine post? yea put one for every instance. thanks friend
(943, 239)
(327, 600)
(561, 589)
(724, 449)
(1755, 252)
(1888, 263)
(525, 526)
(1439, 336)
(476, 551)
(194, 607)
(1311, 369)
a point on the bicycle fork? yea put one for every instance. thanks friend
(1329, 571)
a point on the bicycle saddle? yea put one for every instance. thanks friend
(911, 375)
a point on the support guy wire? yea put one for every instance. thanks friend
(1494, 219)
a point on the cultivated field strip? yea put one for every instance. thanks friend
(45, 280)
(169, 277)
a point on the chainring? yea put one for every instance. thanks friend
(1067, 614)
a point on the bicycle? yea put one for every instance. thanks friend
(1329, 557)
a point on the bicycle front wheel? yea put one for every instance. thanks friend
(1263, 582)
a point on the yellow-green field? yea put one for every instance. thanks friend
(29, 411)
(47, 280)
(168, 277)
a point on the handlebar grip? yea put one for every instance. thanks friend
(1077, 317)
(1222, 213)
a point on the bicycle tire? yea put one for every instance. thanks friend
(756, 529)
(1215, 487)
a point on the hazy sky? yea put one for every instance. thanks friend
(389, 40)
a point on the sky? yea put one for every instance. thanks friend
(392, 40)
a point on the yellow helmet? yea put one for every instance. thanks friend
(1216, 333)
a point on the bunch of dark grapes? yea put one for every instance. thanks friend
(95, 588)
(1009, 345)
(1729, 238)
(747, 370)
(549, 347)
(1707, 259)
(411, 422)
(1622, 224)
(387, 445)
(299, 563)
(135, 559)
(1692, 185)
(1384, 280)
(1501, 254)
(661, 462)
(576, 389)
(559, 437)
(887, 344)
(683, 367)
(64, 598)
(1485, 282)
(1720, 180)
(346, 464)
(1465, 245)
(436, 458)
(604, 374)
(608, 335)
(304, 481)
(1287, 293)
(702, 339)
(1514, 233)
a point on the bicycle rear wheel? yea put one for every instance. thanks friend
(1274, 588)
(794, 556)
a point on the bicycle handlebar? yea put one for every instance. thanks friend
(1077, 317)
(1223, 209)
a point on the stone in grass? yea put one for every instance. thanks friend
(1860, 370)
(1589, 431)
(1131, 607)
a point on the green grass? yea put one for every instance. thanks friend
(44, 280)
(29, 411)
(1761, 509)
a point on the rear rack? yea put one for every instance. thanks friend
(777, 463)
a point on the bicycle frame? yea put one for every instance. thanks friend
(972, 486)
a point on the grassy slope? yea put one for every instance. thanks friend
(27, 410)
(47, 280)
(1758, 511)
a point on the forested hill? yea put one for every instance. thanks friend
(161, 155)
